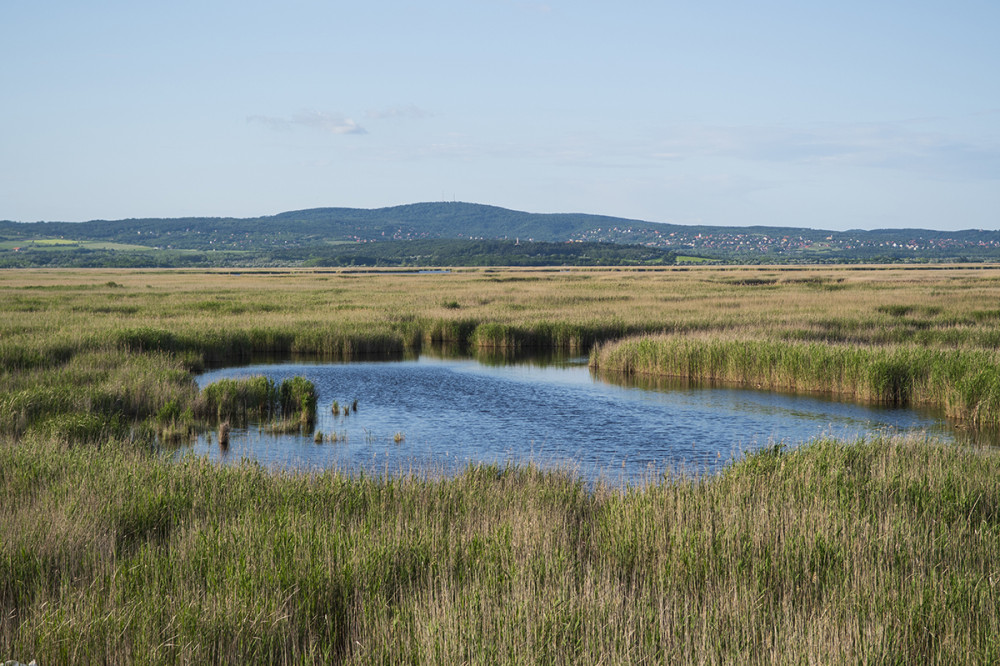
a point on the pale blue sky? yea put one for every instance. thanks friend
(830, 115)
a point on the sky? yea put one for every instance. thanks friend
(830, 115)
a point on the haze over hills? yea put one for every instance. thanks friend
(459, 233)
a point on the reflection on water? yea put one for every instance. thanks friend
(438, 350)
(450, 412)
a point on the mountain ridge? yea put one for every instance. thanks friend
(422, 209)
(314, 231)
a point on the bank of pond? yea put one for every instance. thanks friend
(440, 415)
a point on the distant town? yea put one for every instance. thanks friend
(727, 241)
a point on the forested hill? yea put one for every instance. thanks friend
(324, 234)
(410, 222)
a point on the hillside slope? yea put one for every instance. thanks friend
(295, 236)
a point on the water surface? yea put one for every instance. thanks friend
(449, 413)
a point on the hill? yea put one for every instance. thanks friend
(327, 235)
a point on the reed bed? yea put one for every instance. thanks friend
(964, 382)
(875, 551)
(82, 360)
(880, 551)
(260, 399)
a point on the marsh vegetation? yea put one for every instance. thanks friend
(84, 360)
(877, 550)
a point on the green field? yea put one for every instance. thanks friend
(26, 245)
(874, 551)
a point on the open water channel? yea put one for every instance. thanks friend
(449, 413)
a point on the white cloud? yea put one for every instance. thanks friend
(327, 122)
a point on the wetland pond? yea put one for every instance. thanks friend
(438, 416)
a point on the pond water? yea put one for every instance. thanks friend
(449, 413)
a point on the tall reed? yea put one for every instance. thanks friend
(259, 398)
(965, 383)
(877, 551)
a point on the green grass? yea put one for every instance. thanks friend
(877, 551)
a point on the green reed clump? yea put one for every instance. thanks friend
(450, 330)
(239, 344)
(965, 383)
(261, 399)
(561, 336)
(176, 422)
(334, 343)
(75, 428)
(891, 380)
(147, 338)
(495, 335)
(241, 399)
(338, 345)
(298, 396)
(876, 551)
(21, 358)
